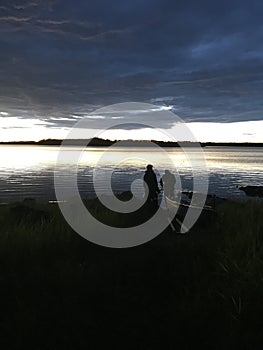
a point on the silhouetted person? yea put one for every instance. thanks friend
(151, 181)
(168, 182)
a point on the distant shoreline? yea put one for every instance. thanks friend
(98, 142)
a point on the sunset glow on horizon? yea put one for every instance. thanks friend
(15, 129)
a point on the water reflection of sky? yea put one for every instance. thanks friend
(27, 171)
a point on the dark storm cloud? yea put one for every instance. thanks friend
(61, 59)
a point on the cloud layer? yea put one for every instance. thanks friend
(62, 59)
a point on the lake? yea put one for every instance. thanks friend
(28, 171)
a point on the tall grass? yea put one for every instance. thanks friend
(240, 268)
(59, 290)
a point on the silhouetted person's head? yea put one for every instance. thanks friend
(149, 167)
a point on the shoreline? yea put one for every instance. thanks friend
(185, 194)
(97, 142)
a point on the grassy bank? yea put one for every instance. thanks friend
(61, 291)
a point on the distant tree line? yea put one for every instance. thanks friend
(98, 142)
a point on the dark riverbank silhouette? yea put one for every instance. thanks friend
(252, 191)
(98, 142)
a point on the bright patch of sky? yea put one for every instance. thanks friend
(16, 129)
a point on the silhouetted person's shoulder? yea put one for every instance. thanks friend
(150, 180)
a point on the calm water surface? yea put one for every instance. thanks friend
(28, 171)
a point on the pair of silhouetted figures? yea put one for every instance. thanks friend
(167, 183)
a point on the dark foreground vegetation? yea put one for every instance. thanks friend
(203, 289)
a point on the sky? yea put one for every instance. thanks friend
(61, 60)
